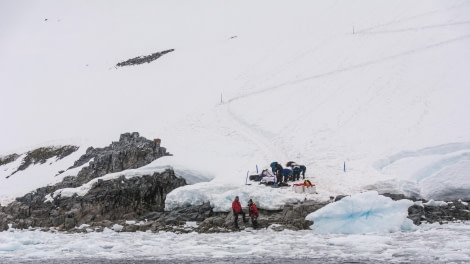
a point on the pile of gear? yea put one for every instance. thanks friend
(279, 176)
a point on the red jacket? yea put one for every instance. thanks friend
(253, 210)
(237, 207)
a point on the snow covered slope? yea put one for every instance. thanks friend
(380, 86)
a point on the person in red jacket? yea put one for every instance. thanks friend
(253, 212)
(237, 209)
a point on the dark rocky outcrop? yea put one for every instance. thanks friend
(8, 158)
(143, 59)
(108, 201)
(424, 213)
(41, 155)
(453, 211)
(115, 202)
(130, 152)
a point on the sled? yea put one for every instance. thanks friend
(303, 188)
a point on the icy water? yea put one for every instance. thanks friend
(265, 260)
(449, 243)
(211, 261)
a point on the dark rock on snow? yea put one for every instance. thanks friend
(130, 152)
(113, 200)
(8, 158)
(40, 155)
(422, 213)
(453, 211)
(143, 59)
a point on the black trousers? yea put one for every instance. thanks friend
(254, 221)
(297, 175)
(279, 177)
(236, 217)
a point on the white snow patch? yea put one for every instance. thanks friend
(117, 228)
(435, 203)
(221, 196)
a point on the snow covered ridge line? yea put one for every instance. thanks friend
(39, 155)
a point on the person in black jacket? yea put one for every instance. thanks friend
(297, 170)
(278, 171)
(302, 170)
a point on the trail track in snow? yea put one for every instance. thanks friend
(352, 67)
(256, 135)
(370, 30)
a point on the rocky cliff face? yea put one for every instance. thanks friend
(114, 200)
(130, 152)
(119, 199)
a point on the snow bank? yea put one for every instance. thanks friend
(221, 196)
(192, 171)
(435, 203)
(436, 172)
(367, 212)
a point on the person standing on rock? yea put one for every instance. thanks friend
(237, 209)
(253, 212)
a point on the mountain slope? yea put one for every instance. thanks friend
(324, 83)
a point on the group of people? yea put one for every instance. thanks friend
(281, 175)
(252, 212)
(291, 172)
